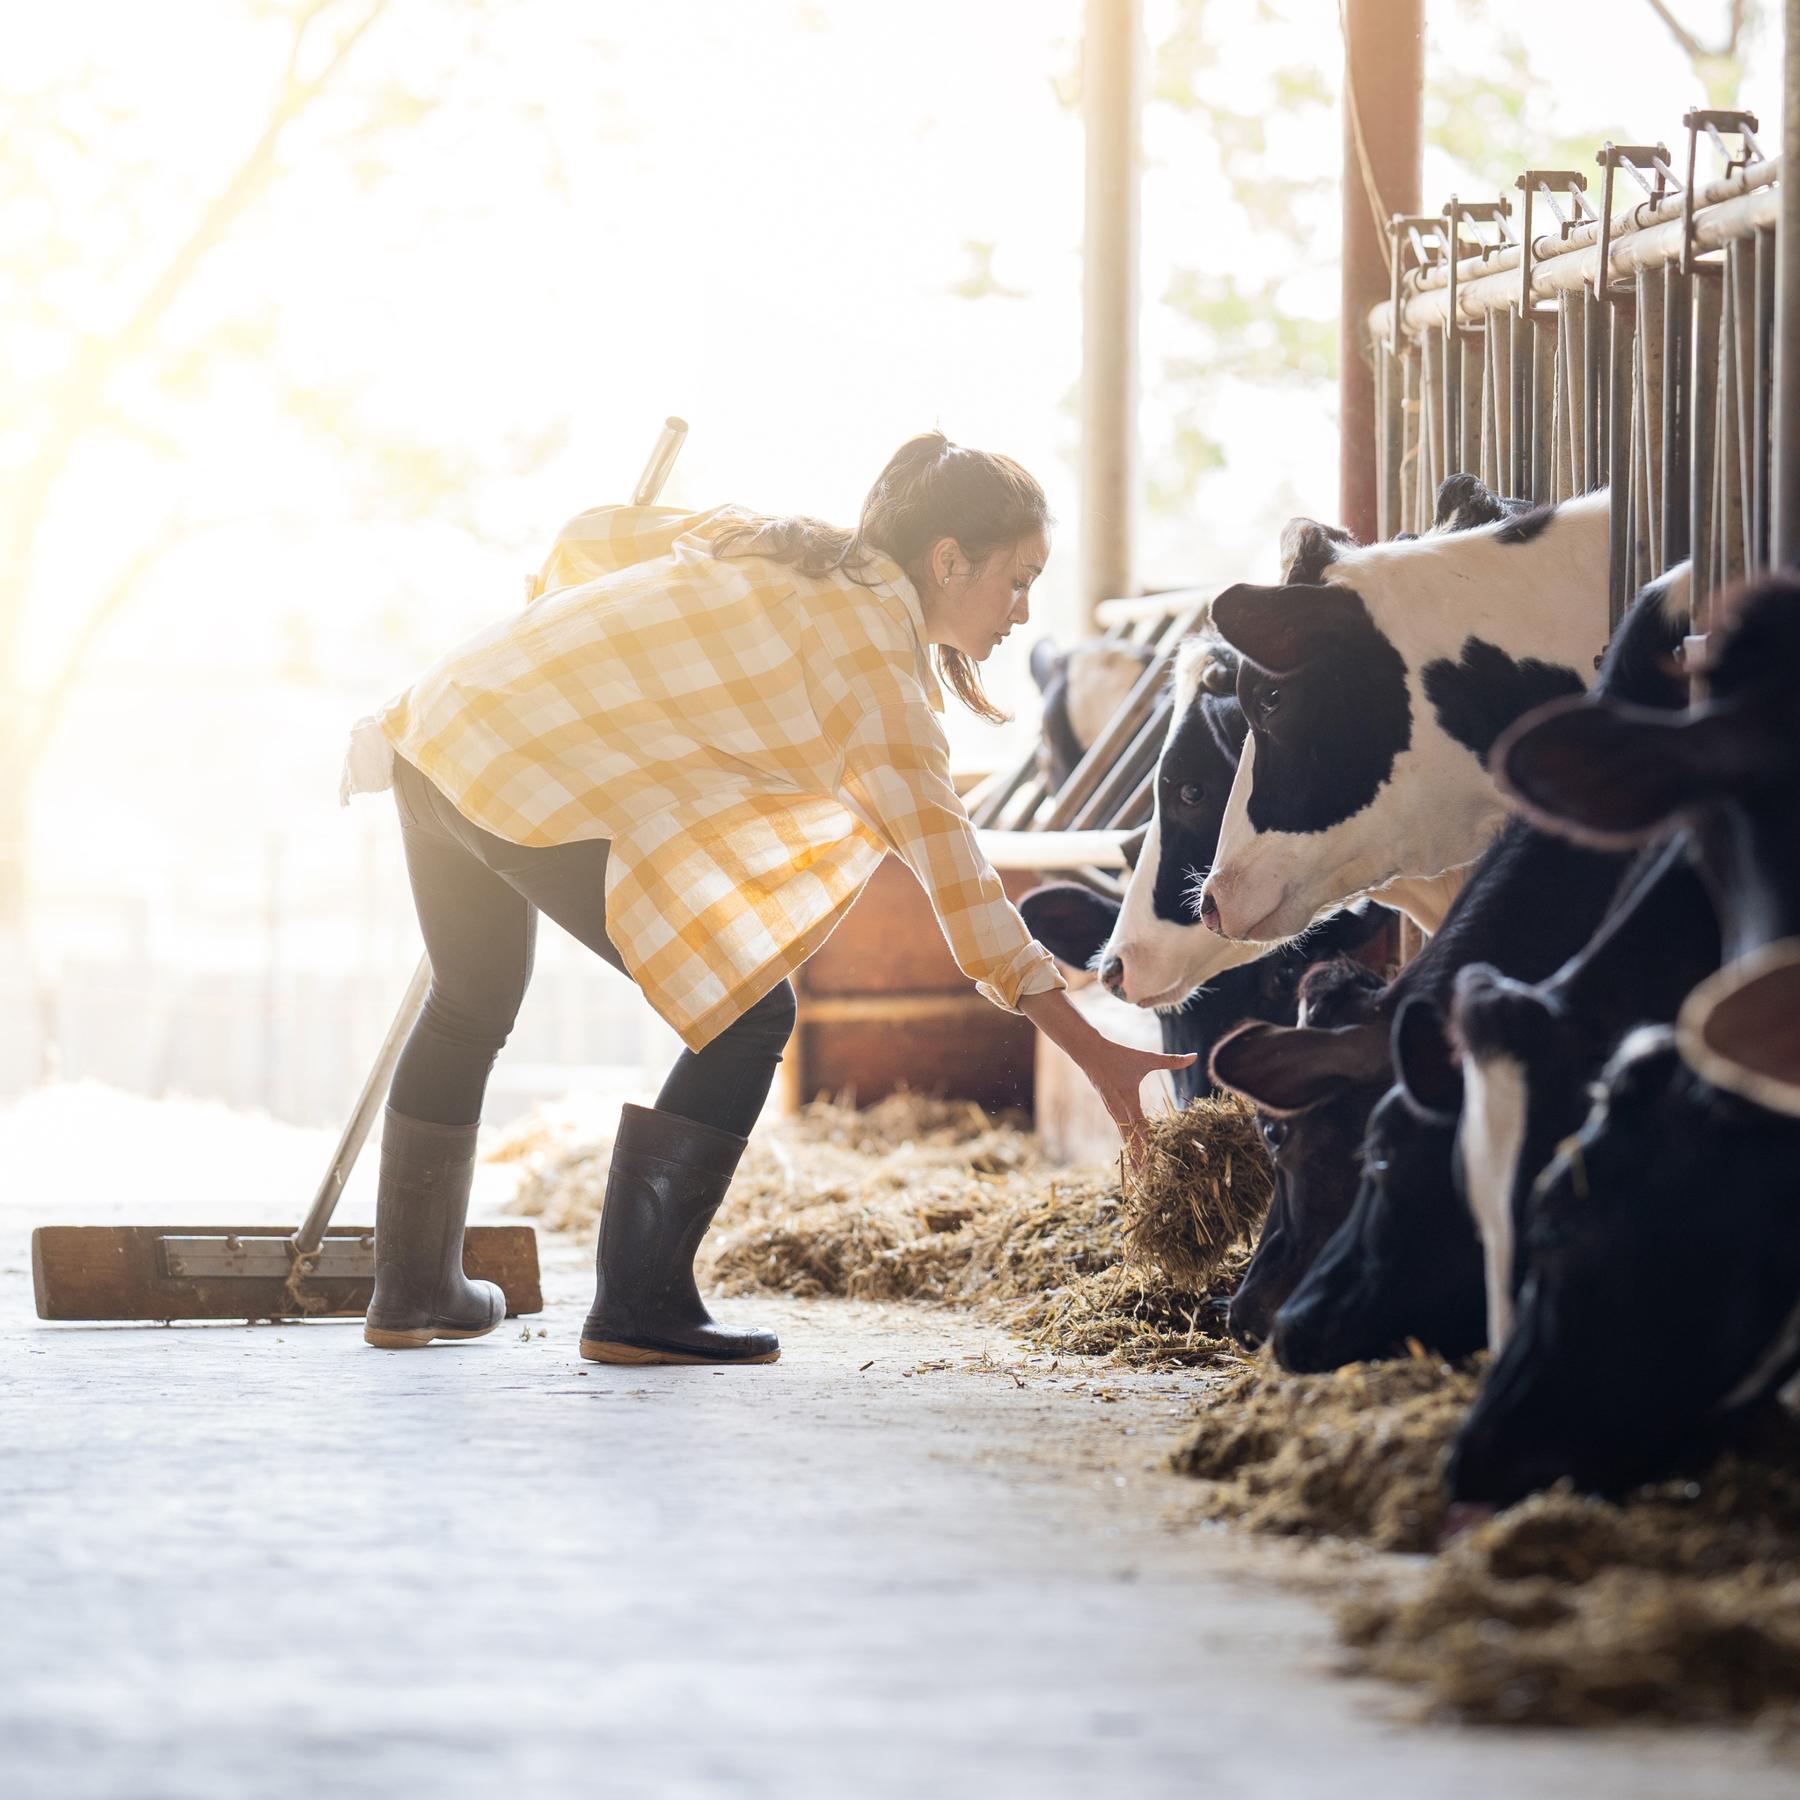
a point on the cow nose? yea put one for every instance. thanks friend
(1209, 913)
(1112, 976)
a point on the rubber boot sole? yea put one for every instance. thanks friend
(601, 1351)
(419, 1336)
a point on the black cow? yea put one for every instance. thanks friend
(1683, 1160)
(1529, 1053)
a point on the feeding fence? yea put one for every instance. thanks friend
(1556, 340)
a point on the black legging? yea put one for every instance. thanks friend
(478, 898)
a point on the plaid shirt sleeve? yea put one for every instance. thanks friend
(896, 777)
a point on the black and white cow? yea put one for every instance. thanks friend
(1074, 922)
(1397, 1255)
(1372, 696)
(1688, 1161)
(1082, 687)
(1159, 951)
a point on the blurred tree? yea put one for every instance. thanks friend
(80, 391)
(87, 201)
(1245, 316)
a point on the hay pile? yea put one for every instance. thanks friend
(1357, 1454)
(1681, 1603)
(916, 1199)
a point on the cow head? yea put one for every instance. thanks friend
(1406, 1262)
(1371, 695)
(1159, 952)
(1313, 1084)
(1612, 1373)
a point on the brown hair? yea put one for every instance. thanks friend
(930, 489)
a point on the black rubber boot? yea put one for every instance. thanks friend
(421, 1292)
(667, 1178)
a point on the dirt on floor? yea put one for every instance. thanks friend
(1681, 1603)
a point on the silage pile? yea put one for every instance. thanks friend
(1681, 1603)
(917, 1199)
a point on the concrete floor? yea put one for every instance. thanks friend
(276, 1562)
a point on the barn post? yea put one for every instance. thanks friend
(1384, 85)
(1111, 83)
(1784, 547)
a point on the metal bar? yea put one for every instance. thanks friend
(1704, 403)
(1423, 309)
(1596, 324)
(1543, 403)
(1742, 257)
(1470, 345)
(1728, 531)
(1762, 391)
(1784, 487)
(1677, 289)
(1411, 452)
(1519, 339)
(1584, 235)
(1393, 440)
(1431, 416)
(1648, 406)
(1619, 473)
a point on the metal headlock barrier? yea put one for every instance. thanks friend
(1552, 345)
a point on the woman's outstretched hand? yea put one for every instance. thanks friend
(1116, 1070)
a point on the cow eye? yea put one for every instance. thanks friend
(1190, 793)
(1271, 699)
(1274, 1133)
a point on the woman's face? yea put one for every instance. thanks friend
(974, 606)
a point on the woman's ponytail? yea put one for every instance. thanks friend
(929, 489)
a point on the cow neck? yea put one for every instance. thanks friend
(1425, 899)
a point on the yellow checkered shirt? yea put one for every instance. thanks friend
(751, 739)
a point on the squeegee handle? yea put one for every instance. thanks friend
(662, 460)
(374, 1090)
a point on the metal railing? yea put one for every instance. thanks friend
(1622, 345)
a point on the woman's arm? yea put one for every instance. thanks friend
(1116, 1070)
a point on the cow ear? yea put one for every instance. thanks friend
(1277, 628)
(1132, 847)
(1046, 662)
(1465, 501)
(1289, 1069)
(1071, 922)
(1612, 775)
(1740, 1028)
(1218, 675)
(1308, 549)
(1424, 1063)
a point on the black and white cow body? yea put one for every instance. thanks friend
(1372, 696)
(1405, 1260)
(1690, 1156)
(1082, 687)
(1074, 923)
